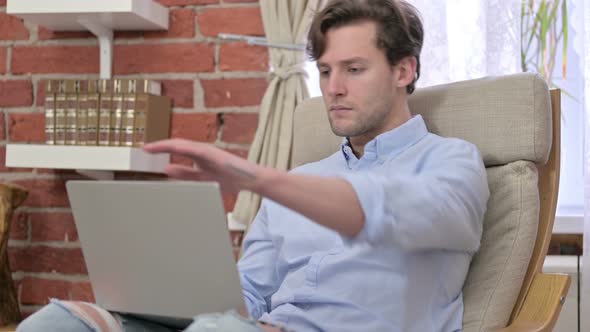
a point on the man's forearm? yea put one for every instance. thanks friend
(331, 202)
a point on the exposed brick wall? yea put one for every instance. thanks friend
(215, 87)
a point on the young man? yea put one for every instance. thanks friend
(379, 236)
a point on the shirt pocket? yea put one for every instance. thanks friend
(316, 262)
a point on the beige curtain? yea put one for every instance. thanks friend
(285, 22)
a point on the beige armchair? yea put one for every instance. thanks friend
(514, 121)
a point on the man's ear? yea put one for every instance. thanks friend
(407, 71)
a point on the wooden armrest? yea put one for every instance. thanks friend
(542, 304)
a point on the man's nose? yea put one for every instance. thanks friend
(336, 85)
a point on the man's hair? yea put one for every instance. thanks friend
(399, 28)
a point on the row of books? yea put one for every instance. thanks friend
(117, 112)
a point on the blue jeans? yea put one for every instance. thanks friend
(54, 317)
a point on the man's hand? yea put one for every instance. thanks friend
(210, 164)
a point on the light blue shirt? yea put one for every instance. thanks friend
(423, 197)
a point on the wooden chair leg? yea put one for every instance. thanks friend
(11, 196)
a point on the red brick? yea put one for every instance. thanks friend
(239, 128)
(41, 85)
(236, 251)
(12, 28)
(200, 127)
(26, 127)
(45, 193)
(2, 127)
(53, 227)
(2, 2)
(81, 291)
(2, 60)
(47, 259)
(246, 21)
(234, 92)
(181, 25)
(46, 34)
(186, 2)
(162, 58)
(229, 200)
(239, 153)
(244, 57)
(55, 59)
(180, 91)
(236, 238)
(19, 226)
(39, 291)
(16, 93)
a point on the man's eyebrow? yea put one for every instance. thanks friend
(345, 62)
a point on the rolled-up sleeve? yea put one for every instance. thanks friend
(439, 206)
(258, 276)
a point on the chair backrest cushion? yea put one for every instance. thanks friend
(509, 232)
(509, 119)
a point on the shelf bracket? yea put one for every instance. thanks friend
(105, 41)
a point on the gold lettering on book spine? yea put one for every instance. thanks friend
(60, 117)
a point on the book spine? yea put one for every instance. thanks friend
(60, 115)
(139, 123)
(93, 107)
(147, 86)
(104, 118)
(71, 92)
(128, 120)
(116, 120)
(71, 118)
(104, 113)
(49, 121)
(49, 125)
(92, 129)
(117, 112)
(92, 124)
(82, 119)
(50, 94)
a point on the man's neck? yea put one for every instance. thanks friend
(357, 143)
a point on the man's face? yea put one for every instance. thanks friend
(357, 81)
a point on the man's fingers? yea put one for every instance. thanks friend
(175, 146)
(183, 172)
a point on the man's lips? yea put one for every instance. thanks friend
(339, 108)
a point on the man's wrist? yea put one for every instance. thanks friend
(267, 179)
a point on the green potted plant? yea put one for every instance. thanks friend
(543, 26)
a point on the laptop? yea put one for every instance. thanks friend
(156, 249)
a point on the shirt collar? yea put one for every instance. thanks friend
(390, 142)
